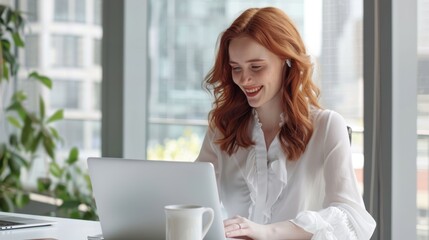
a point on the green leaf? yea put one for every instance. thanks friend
(10, 15)
(27, 131)
(17, 39)
(14, 106)
(13, 140)
(73, 156)
(75, 214)
(36, 142)
(6, 203)
(55, 169)
(70, 204)
(2, 150)
(14, 66)
(15, 166)
(19, 21)
(15, 122)
(21, 199)
(43, 79)
(87, 181)
(55, 133)
(41, 108)
(19, 159)
(43, 184)
(49, 146)
(10, 180)
(61, 191)
(58, 115)
(5, 44)
(34, 118)
(5, 71)
(4, 157)
(9, 57)
(89, 215)
(2, 9)
(19, 96)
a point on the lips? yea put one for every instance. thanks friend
(252, 91)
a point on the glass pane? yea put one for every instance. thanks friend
(75, 89)
(97, 95)
(32, 51)
(67, 51)
(97, 52)
(72, 131)
(182, 39)
(61, 10)
(422, 119)
(338, 53)
(31, 9)
(182, 143)
(80, 10)
(67, 94)
(97, 12)
(83, 134)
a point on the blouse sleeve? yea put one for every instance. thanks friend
(209, 154)
(344, 215)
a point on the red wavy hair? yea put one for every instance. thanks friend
(231, 113)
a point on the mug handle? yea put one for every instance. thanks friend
(211, 217)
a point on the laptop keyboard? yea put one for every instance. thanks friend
(7, 225)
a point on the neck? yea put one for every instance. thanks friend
(269, 117)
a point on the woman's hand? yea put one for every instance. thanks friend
(242, 228)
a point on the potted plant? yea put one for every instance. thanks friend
(34, 138)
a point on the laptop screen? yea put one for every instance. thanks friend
(131, 194)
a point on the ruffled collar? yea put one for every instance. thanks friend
(265, 173)
(259, 124)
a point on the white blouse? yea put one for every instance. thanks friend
(318, 192)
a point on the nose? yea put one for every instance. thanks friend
(245, 77)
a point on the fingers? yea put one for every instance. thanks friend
(236, 226)
(235, 219)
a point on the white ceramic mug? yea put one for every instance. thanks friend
(185, 222)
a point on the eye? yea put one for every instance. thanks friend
(256, 67)
(235, 69)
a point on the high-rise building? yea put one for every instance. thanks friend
(63, 41)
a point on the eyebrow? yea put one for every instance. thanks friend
(250, 61)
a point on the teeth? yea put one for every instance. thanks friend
(253, 90)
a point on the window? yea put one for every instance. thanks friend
(422, 119)
(96, 89)
(70, 10)
(182, 39)
(31, 9)
(97, 12)
(71, 58)
(67, 51)
(66, 94)
(32, 51)
(97, 52)
(81, 134)
(61, 12)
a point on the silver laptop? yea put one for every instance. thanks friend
(131, 194)
(10, 222)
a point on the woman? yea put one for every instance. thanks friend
(283, 164)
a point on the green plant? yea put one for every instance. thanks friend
(186, 147)
(35, 138)
(72, 186)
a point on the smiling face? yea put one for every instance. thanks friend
(257, 71)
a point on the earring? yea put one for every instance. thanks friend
(289, 64)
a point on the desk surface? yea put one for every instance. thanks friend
(64, 229)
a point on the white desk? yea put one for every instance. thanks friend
(64, 229)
